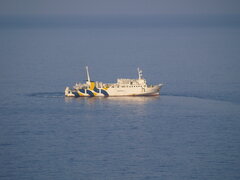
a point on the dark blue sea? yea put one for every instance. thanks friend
(191, 131)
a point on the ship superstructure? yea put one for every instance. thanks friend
(123, 87)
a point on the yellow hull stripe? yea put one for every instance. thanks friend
(92, 85)
(80, 94)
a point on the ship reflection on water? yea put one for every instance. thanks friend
(131, 106)
(124, 100)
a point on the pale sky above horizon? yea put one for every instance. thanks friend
(118, 7)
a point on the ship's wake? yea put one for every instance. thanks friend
(216, 97)
(47, 95)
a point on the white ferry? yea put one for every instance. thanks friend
(123, 87)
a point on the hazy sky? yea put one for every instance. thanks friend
(116, 7)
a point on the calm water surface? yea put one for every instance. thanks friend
(192, 131)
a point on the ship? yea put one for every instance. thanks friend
(123, 87)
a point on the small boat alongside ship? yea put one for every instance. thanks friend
(123, 87)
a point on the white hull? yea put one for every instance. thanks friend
(139, 91)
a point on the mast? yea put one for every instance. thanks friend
(88, 77)
(139, 73)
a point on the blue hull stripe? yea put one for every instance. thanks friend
(104, 92)
(96, 90)
(76, 94)
(82, 91)
(90, 93)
